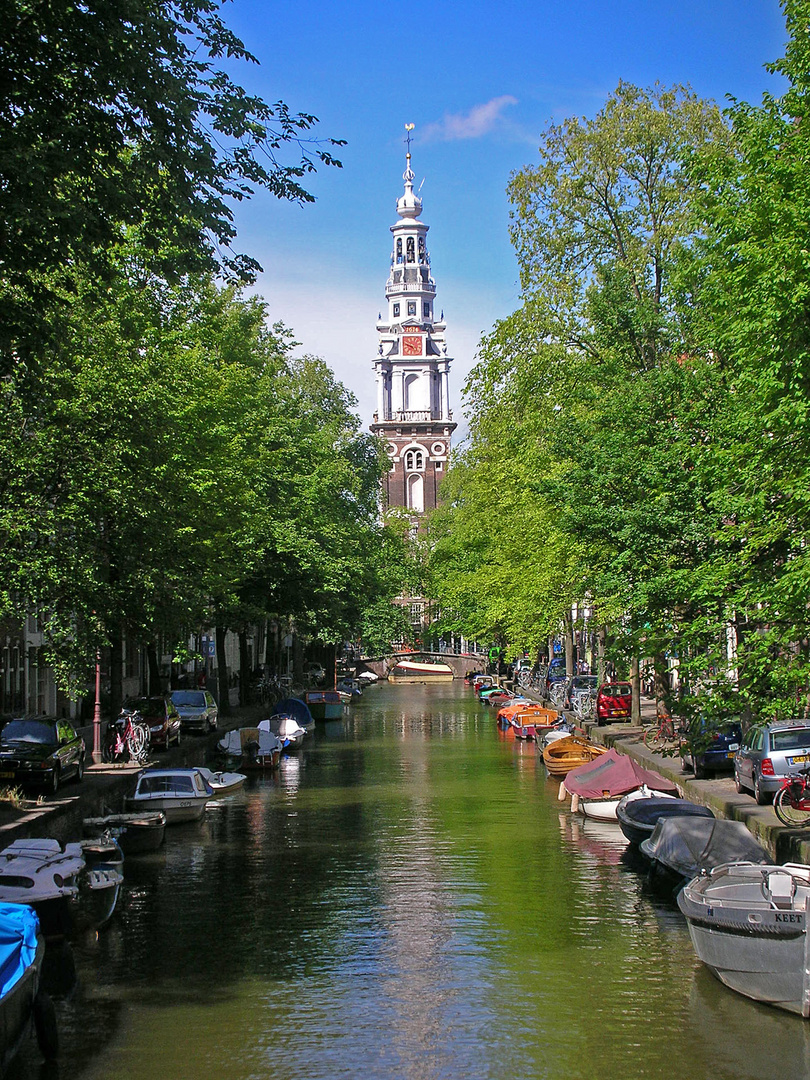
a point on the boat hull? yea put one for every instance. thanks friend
(136, 833)
(413, 671)
(748, 925)
(17, 1007)
(324, 705)
(176, 810)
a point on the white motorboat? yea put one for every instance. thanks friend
(420, 671)
(287, 729)
(181, 794)
(748, 924)
(223, 783)
(66, 893)
(251, 748)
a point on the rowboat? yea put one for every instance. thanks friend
(638, 817)
(597, 786)
(324, 704)
(566, 754)
(135, 833)
(419, 671)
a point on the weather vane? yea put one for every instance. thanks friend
(409, 128)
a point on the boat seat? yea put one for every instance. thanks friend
(779, 888)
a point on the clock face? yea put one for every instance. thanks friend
(412, 346)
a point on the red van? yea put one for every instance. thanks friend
(613, 702)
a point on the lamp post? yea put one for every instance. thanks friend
(97, 713)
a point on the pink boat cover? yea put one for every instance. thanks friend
(613, 774)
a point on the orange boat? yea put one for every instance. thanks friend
(566, 754)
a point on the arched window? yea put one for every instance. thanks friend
(414, 461)
(421, 249)
(399, 249)
(410, 250)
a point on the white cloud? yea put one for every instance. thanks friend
(480, 120)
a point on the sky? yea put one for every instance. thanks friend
(480, 82)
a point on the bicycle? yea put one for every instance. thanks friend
(127, 738)
(661, 736)
(583, 706)
(792, 800)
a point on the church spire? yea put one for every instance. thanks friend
(412, 366)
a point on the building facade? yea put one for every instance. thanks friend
(412, 367)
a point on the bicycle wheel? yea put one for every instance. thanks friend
(652, 738)
(136, 742)
(789, 810)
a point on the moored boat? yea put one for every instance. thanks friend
(324, 704)
(297, 709)
(181, 794)
(564, 755)
(597, 786)
(420, 671)
(22, 950)
(682, 847)
(286, 729)
(638, 817)
(253, 749)
(748, 924)
(135, 833)
(222, 783)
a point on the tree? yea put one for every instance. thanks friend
(120, 115)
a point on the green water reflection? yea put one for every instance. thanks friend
(406, 899)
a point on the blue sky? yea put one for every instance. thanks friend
(480, 82)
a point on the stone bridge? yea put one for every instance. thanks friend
(461, 663)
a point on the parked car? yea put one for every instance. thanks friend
(40, 752)
(163, 719)
(315, 672)
(555, 672)
(770, 753)
(707, 747)
(613, 702)
(197, 708)
(577, 684)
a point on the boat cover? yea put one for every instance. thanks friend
(18, 943)
(687, 845)
(233, 742)
(648, 812)
(610, 775)
(294, 707)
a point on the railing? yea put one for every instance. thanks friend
(410, 416)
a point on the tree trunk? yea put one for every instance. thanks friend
(569, 645)
(663, 696)
(224, 703)
(116, 672)
(601, 638)
(635, 684)
(245, 674)
(155, 689)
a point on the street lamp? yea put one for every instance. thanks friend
(97, 713)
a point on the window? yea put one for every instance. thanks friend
(409, 247)
(399, 249)
(396, 311)
(426, 311)
(421, 249)
(414, 461)
(411, 307)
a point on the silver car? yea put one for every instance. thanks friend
(197, 708)
(770, 753)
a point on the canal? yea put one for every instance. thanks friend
(405, 899)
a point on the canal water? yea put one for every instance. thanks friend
(405, 899)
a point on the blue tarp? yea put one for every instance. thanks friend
(18, 943)
(295, 708)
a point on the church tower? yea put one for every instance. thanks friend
(412, 366)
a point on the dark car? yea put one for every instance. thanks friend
(555, 672)
(163, 719)
(708, 747)
(40, 752)
(613, 702)
(197, 708)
